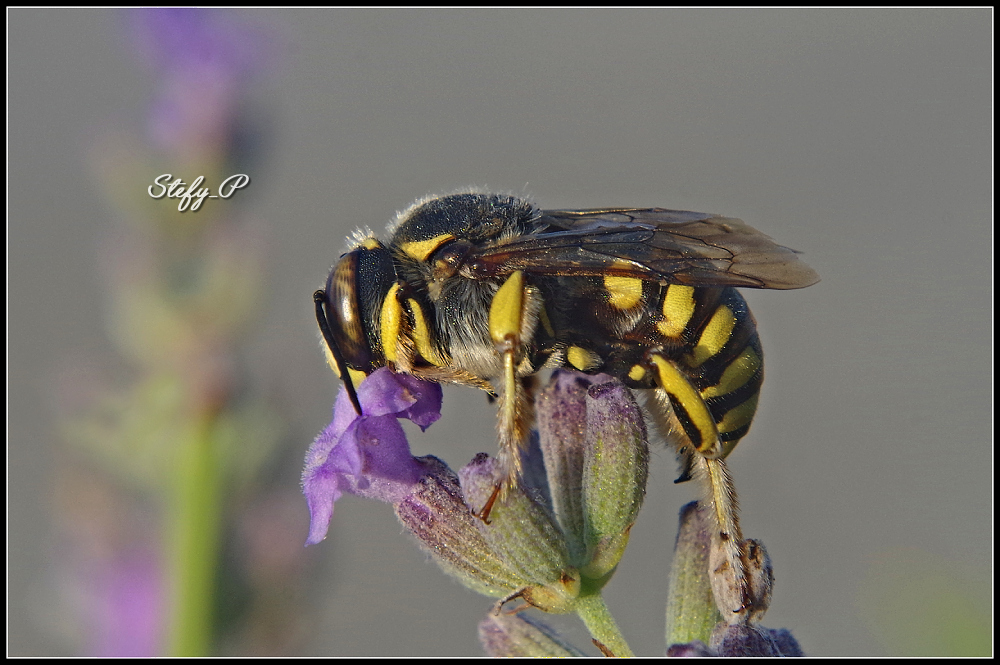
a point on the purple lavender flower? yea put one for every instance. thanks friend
(523, 551)
(169, 432)
(368, 455)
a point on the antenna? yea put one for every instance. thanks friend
(319, 299)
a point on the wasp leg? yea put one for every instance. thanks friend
(484, 512)
(702, 435)
(509, 315)
(728, 533)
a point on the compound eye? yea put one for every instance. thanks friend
(346, 318)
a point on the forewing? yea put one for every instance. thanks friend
(675, 246)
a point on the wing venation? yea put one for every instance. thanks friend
(675, 246)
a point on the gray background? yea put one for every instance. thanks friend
(862, 138)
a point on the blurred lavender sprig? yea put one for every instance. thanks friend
(205, 63)
(183, 432)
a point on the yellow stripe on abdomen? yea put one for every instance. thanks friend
(623, 292)
(739, 416)
(735, 375)
(737, 420)
(678, 308)
(714, 336)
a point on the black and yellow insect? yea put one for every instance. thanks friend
(486, 290)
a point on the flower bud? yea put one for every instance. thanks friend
(616, 467)
(593, 441)
(691, 608)
(703, 590)
(752, 641)
(524, 536)
(518, 636)
(438, 517)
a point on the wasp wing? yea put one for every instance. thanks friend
(676, 246)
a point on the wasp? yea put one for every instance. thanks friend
(486, 290)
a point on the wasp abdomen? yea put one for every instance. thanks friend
(629, 328)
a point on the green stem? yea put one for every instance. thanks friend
(595, 615)
(194, 543)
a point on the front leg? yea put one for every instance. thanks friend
(513, 314)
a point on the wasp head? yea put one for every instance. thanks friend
(347, 312)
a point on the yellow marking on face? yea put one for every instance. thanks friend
(330, 360)
(357, 376)
(391, 322)
(422, 335)
(507, 309)
(623, 292)
(735, 375)
(680, 388)
(637, 373)
(714, 337)
(421, 249)
(582, 359)
(371, 243)
(678, 308)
